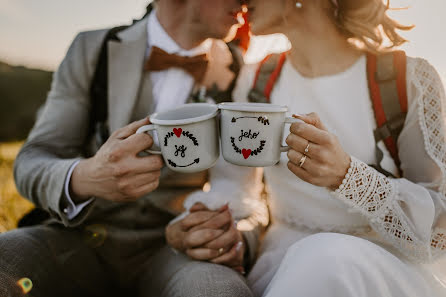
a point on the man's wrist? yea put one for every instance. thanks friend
(79, 184)
(174, 236)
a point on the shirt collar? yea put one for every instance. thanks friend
(158, 37)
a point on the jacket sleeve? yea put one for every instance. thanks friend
(56, 140)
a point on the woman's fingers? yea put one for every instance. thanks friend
(300, 144)
(300, 172)
(239, 269)
(311, 119)
(310, 133)
(297, 158)
(233, 257)
(202, 254)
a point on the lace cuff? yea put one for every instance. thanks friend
(375, 196)
(394, 211)
(438, 242)
(366, 190)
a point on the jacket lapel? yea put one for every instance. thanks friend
(126, 61)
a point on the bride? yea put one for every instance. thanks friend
(339, 226)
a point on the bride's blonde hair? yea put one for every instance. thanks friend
(367, 25)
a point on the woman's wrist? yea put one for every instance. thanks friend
(344, 168)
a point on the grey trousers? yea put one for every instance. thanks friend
(89, 262)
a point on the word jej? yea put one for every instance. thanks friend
(180, 149)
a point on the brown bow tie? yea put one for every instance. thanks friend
(160, 60)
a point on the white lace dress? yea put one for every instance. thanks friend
(374, 235)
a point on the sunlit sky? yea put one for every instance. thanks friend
(37, 33)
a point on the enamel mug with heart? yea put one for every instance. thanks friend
(252, 133)
(188, 136)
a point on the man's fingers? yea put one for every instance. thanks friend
(130, 129)
(147, 188)
(133, 193)
(197, 207)
(200, 206)
(140, 180)
(202, 254)
(138, 165)
(145, 164)
(226, 240)
(196, 218)
(216, 222)
(138, 142)
(201, 237)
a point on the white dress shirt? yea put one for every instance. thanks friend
(170, 88)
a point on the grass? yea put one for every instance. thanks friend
(12, 205)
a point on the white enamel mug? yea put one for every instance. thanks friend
(188, 136)
(252, 133)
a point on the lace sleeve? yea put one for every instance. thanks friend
(410, 212)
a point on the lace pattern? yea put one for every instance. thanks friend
(375, 196)
(432, 117)
(430, 112)
(365, 189)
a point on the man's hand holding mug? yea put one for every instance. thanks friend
(116, 172)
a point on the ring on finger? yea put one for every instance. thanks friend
(220, 251)
(307, 149)
(302, 161)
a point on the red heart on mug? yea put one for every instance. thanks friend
(177, 132)
(246, 153)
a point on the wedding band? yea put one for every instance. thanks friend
(307, 148)
(220, 251)
(302, 161)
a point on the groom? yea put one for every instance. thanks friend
(109, 210)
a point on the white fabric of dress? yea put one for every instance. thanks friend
(373, 236)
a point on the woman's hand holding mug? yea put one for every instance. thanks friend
(315, 155)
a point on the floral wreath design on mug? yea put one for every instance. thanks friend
(180, 150)
(248, 152)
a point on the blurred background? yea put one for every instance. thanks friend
(34, 36)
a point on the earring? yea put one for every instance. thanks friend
(299, 4)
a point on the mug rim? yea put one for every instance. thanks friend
(201, 118)
(252, 107)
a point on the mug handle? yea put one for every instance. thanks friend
(288, 120)
(145, 129)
